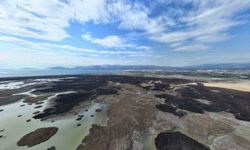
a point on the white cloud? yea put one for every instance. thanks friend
(85, 10)
(113, 41)
(194, 47)
(35, 18)
(213, 38)
(47, 20)
(44, 59)
(208, 21)
(41, 46)
(15, 52)
(109, 41)
(133, 16)
(205, 21)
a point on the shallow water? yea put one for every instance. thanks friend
(148, 142)
(11, 85)
(68, 137)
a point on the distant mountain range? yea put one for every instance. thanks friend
(226, 66)
(114, 69)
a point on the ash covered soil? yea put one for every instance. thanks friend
(142, 112)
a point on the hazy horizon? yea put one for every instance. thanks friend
(110, 65)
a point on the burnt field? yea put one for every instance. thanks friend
(83, 88)
(177, 141)
(199, 99)
(193, 98)
(172, 113)
(87, 88)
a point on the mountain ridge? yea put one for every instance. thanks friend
(234, 66)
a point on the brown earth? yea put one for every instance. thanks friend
(133, 116)
(128, 121)
(38, 136)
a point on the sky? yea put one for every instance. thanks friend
(47, 33)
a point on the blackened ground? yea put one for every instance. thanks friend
(92, 82)
(88, 88)
(65, 102)
(171, 109)
(235, 102)
(161, 87)
(177, 141)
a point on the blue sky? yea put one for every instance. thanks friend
(42, 33)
